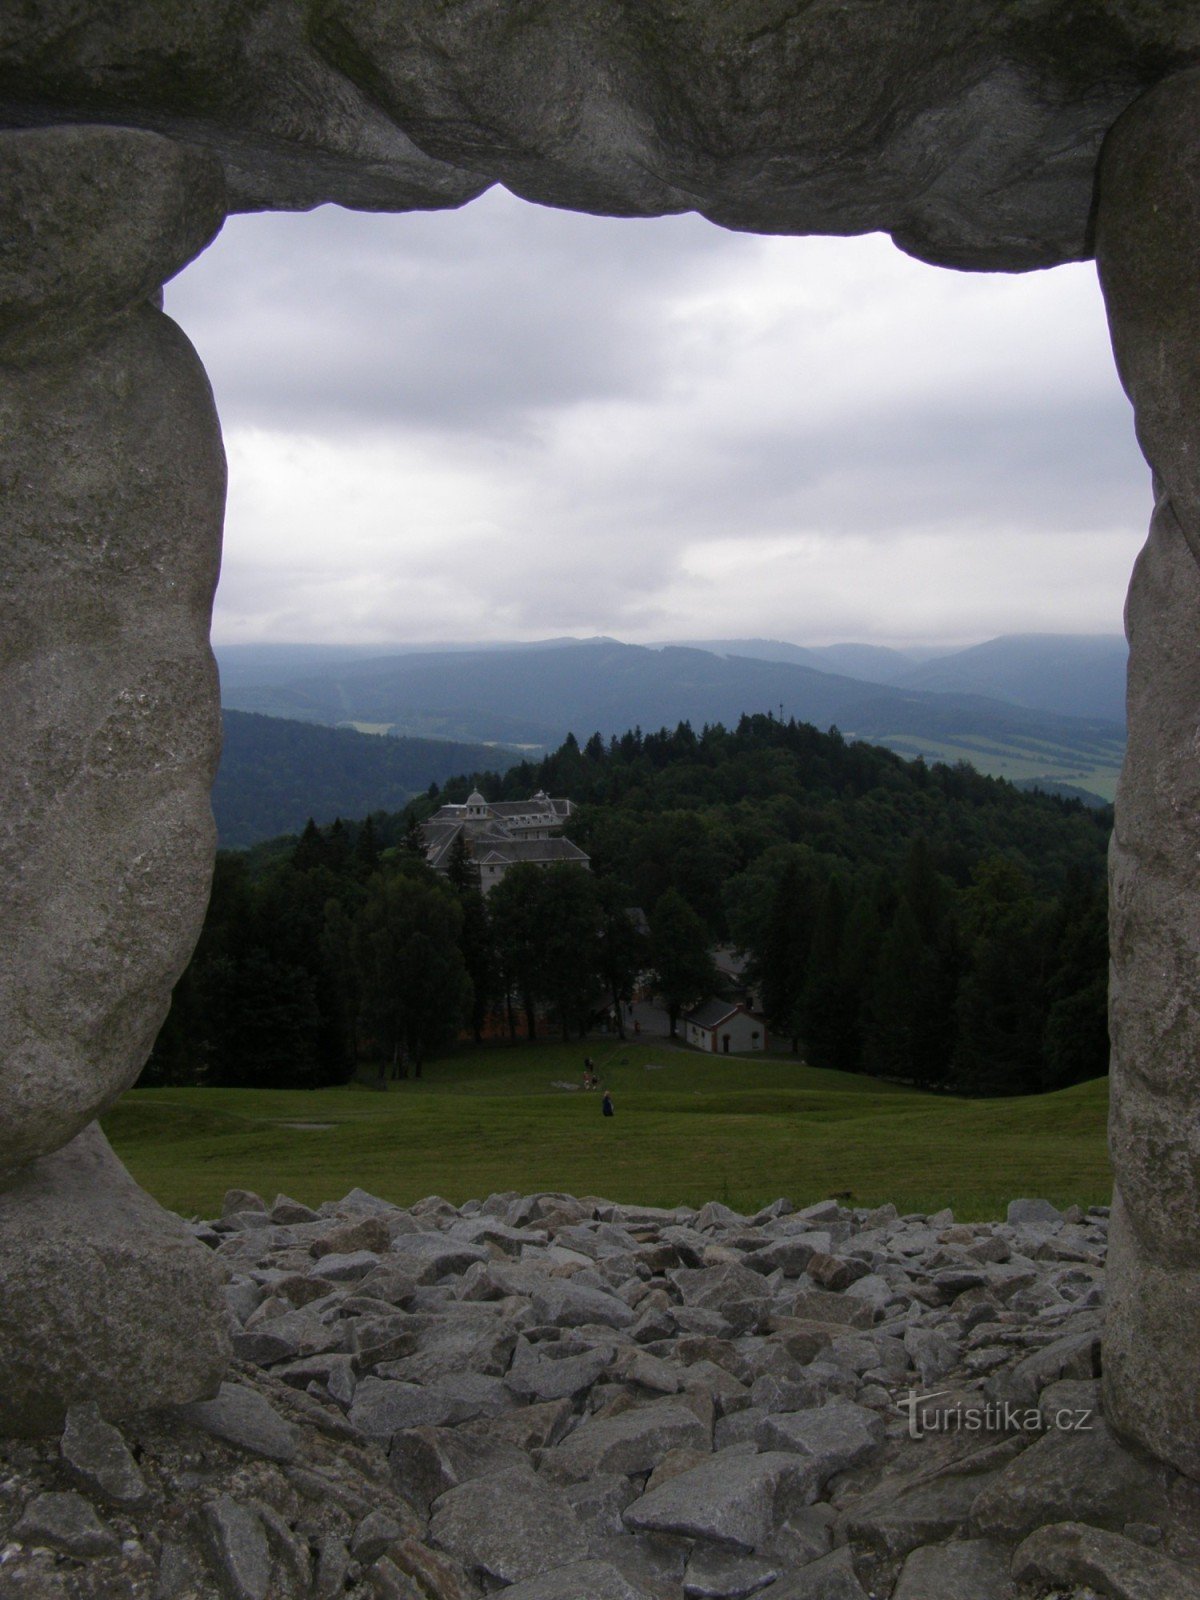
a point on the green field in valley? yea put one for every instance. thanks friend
(688, 1128)
(1094, 767)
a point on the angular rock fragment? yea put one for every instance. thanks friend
(632, 1442)
(241, 1416)
(734, 1499)
(833, 1437)
(578, 1580)
(1073, 1553)
(832, 1577)
(714, 1574)
(66, 1522)
(94, 1453)
(238, 1544)
(975, 1567)
(1070, 1476)
(507, 1527)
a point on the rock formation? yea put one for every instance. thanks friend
(574, 1398)
(968, 129)
(1149, 260)
(113, 479)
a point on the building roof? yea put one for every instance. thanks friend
(713, 1012)
(511, 851)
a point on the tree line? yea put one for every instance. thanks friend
(923, 923)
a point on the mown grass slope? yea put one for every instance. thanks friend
(688, 1128)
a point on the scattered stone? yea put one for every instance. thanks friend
(95, 1455)
(634, 1441)
(599, 1400)
(333, 1568)
(1063, 1477)
(1072, 1553)
(733, 1499)
(713, 1574)
(508, 1527)
(830, 1578)
(976, 1568)
(1033, 1213)
(238, 1544)
(373, 1535)
(833, 1437)
(579, 1580)
(243, 1417)
(67, 1522)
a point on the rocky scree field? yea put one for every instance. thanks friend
(566, 1398)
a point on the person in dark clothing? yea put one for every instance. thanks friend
(606, 1105)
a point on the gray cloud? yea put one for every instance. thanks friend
(471, 319)
(509, 421)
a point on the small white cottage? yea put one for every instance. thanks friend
(725, 1027)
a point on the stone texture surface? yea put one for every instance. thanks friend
(114, 491)
(113, 480)
(94, 1453)
(826, 1484)
(1149, 261)
(821, 118)
(1073, 1553)
(974, 1567)
(827, 117)
(106, 1296)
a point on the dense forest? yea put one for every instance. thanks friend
(275, 773)
(922, 923)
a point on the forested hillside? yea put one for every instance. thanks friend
(922, 923)
(275, 773)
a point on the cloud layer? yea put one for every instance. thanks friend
(511, 422)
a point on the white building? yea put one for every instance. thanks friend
(725, 1027)
(499, 834)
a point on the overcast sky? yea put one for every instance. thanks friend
(509, 422)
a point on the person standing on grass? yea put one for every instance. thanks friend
(606, 1105)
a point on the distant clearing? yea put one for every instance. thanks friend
(1094, 768)
(687, 1129)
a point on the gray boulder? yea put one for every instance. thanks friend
(578, 1580)
(383, 1407)
(1073, 1476)
(1075, 1554)
(134, 1302)
(734, 1499)
(714, 1574)
(66, 1522)
(974, 1567)
(632, 1441)
(832, 1577)
(834, 1437)
(243, 1417)
(239, 1550)
(95, 1455)
(508, 1527)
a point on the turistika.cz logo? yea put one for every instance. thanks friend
(992, 1416)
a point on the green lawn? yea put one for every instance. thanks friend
(688, 1128)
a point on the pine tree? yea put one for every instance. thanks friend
(682, 966)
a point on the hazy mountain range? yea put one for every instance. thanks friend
(1029, 707)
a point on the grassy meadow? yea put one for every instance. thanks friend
(688, 1128)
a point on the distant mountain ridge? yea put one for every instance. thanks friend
(605, 686)
(1074, 675)
(1079, 675)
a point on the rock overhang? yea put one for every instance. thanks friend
(967, 129)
